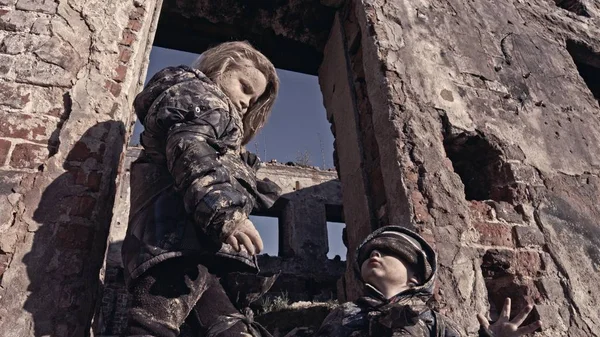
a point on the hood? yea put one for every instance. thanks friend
(425, 290)
(162, 81)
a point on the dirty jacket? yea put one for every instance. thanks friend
(192, 181)
(405, 314)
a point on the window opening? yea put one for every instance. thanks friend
(478, 164)
(588, 65)
(268, 228)
(336, 244)
(297, 131)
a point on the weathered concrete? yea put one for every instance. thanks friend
(481, 120)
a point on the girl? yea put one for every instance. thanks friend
(192, 189)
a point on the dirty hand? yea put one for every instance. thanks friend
(246, 236)
(504, 327)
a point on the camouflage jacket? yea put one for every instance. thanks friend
(374, 316)
(192, 180)
(404, 314)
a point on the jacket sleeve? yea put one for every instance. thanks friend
(196, 129)
(332, 324)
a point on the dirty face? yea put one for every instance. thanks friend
(387, 273)
(243, 84)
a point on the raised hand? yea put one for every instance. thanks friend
(504, 327)
(245, 235)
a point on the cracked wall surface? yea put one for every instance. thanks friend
(473, 122)
(68, 73)
(485, 135)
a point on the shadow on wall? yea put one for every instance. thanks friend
(74, 216)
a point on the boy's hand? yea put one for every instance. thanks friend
(245, 235)
(503, 327)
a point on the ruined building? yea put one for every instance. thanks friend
(474, 122)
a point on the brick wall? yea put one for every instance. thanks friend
(67, 74)
(450, 119)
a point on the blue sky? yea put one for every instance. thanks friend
(297, 125)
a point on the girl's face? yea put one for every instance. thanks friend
(243, 84)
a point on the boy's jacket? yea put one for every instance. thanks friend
(192, 181)
(405, 314)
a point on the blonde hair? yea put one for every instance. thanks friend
(215, 61)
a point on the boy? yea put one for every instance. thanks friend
(398, 268)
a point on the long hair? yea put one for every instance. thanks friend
(215, 61)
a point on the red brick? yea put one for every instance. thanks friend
(28, 156)
(84, 206)
(15, 96)
(113, 87)
(494, 234)
(36, 129)
(125, 54)
(81, 152)
(121, 73)
(137, 13)
(73, 236)
(128, 38)
(481, 211)
(90, 180)
(4, 149)
(528, 263)
(135, 25)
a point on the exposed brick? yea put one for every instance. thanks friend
(128, 38)
(135, 25)
(15, 96)
(497, 262)
(36, 129)
(82, 151)
(4, 149)
(529, 236)
(528, 263)
(120, 73)
(42, 6)
(506, 212)
(16, 21)
(113, 87)
(83, 206)
(480, 210)
(494, 234)
(125, 54)
(28, 156)
(72, 236)
(90, 180)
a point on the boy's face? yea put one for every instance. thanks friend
(243, 84)
(384, 271)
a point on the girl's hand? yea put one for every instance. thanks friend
(503, 327)
(245, 235)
